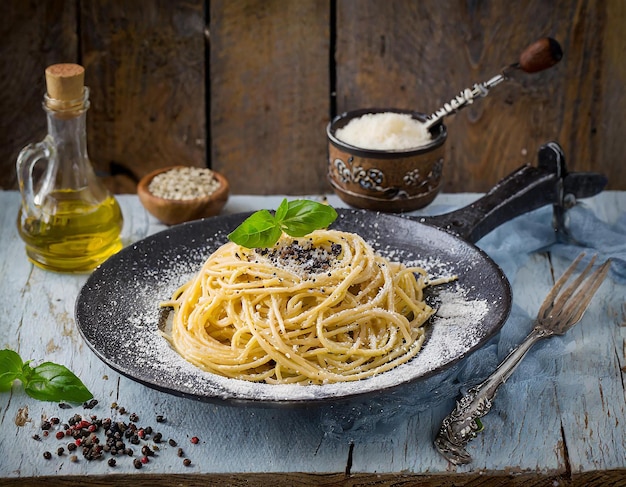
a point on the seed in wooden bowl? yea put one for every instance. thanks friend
(184, 183)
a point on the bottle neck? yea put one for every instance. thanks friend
(67, 129)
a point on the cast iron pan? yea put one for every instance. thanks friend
(117, 310)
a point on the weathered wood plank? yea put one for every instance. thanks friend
(34, 35)
(268, 83)
(145, 63)
(270, 98)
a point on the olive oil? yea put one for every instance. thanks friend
(68, 219)
(71, 234)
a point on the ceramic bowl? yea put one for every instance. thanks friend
(174, 211)
(385, 180)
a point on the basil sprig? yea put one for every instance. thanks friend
(296, 218)
(45, 382)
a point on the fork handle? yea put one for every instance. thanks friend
(461, 425)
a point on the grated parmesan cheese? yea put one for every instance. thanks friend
(385, 131)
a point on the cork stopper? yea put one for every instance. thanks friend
(65, 86)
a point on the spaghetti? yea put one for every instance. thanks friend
(321, 309)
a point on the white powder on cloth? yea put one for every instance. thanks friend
(385, 131)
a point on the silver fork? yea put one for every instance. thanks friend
(558, 313)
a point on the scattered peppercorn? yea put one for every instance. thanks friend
(84, 433)
(186, 462)
(195, 440)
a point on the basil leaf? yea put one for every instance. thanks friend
(305, 216)
(296, 218)
(54, 382)
(10, 368)
(282, 210)
(258, 230)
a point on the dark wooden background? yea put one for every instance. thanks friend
(247, 87)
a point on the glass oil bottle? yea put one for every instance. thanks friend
(68, 219)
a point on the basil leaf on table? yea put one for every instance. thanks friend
(54, 382)
(296, 218)
(45, 382)
(11, 365)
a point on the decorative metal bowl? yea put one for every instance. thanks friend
(385, 180)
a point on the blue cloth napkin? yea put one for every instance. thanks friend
(588, 233)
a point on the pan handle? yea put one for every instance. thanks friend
(524, 190)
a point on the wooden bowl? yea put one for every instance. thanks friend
(384, 180)
(175, 211)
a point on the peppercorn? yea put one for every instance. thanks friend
(172, 442)
(137, 463)
(47, 455)
(195, 440)
(160, 419)
(111, 462)
(60, 451)
(186, 462)
(180, 452)
(147, 451)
